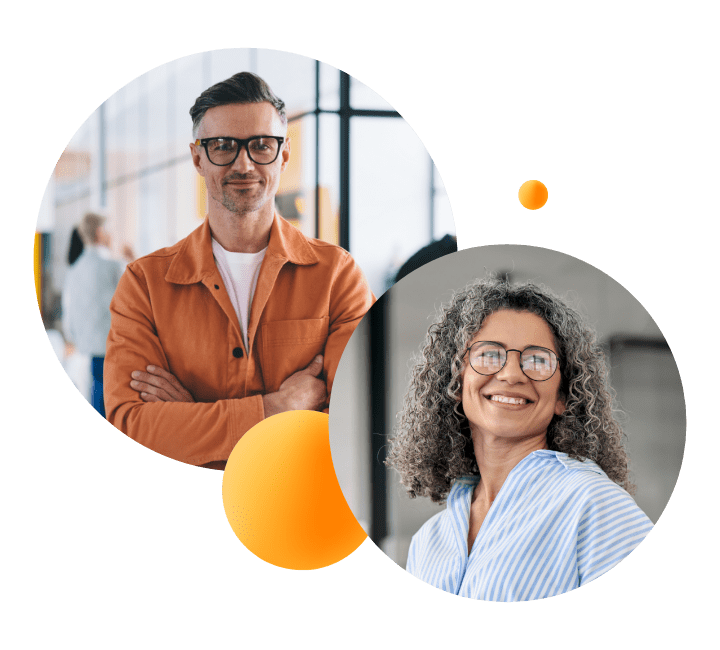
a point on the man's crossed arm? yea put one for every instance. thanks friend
(303, 390)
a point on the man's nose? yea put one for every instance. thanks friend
(243, 162)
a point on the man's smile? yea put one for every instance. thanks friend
(242, 182)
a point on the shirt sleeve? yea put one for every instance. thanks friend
(612, 526)
(195, 433)
(350, 300)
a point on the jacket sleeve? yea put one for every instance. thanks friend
(350, 300)
(194, 433)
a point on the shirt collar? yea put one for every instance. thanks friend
(572, 463)
(539, 456)
(194, 261)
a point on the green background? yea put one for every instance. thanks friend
(110, 545)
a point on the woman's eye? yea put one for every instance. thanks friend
(489, 358)
(537, 361)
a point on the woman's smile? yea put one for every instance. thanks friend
(507, 400)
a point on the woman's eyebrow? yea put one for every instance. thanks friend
(522, 349)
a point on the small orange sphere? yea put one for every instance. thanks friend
(282, 497)
(533, 195)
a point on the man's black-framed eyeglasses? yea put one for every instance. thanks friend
(489, 358)
(261, 149)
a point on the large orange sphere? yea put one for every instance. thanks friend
(533, 195)
(282, 497)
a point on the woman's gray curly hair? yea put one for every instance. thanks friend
(432, 445)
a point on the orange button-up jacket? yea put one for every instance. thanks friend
(171, 309)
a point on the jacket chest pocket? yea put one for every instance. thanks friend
(288, 346)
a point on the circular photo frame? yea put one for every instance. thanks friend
(481, 467)
(207, 241)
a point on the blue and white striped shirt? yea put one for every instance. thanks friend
(556, 524)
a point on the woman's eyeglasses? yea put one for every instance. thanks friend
(489, 358)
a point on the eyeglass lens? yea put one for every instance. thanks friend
(223, 151)
(489, 358)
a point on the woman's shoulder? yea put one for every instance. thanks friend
(438, 527)
(584, 478)
(597, 500)
(460, 490)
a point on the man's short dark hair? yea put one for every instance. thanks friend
(241, 88)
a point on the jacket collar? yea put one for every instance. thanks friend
(194, 260)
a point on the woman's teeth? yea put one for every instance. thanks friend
(508, 400)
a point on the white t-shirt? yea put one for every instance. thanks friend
(239, 272)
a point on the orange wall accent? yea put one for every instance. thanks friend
(291, 178)
(37, 267)
(201, 199)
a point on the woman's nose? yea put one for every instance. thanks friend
(511, 371)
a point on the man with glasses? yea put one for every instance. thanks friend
(244, 318)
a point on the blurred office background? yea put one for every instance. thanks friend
(358, 174)
(373, 377)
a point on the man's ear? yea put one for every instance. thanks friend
(195, 153)
(560, 405)
(285, 154)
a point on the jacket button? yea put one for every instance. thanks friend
(237, 353)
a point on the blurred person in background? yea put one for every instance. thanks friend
(244, 318)
(76, 246)
(89, 287)
(434, 250)
(509, 417)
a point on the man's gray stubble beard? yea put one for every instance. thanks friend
(231, 205)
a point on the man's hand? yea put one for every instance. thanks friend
(158, 385)
(301, 391)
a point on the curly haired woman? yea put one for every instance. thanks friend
(509, 417)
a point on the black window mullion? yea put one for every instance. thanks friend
(317, 149)
(344, 225)
(379, 371)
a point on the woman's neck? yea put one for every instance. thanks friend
(496, 458)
